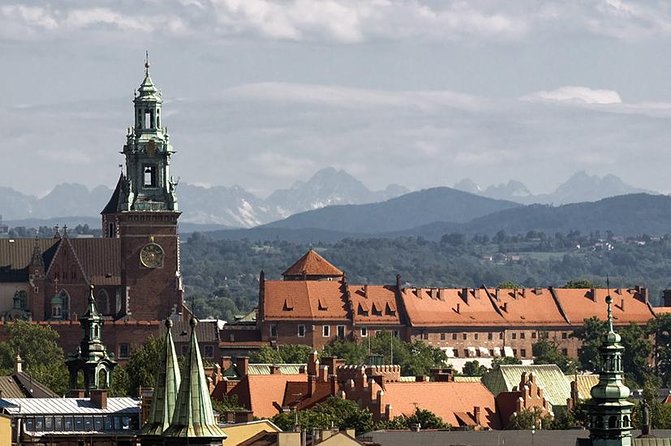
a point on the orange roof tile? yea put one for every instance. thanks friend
(662, 310)
(527, 306)
(579, 305)
(312, 264)
(445, 399)
(374, 304)
(438, 307)
(304, 299)
(259, 393)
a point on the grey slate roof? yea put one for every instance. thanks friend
(65, 406)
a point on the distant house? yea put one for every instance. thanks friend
(21, 385)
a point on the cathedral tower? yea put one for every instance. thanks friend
(143, 213)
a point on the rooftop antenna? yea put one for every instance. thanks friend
(609, 301)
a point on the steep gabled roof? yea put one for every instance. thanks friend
(193, 416)
(374, 304)
(114, 204)
(312, 264)
(166, 388)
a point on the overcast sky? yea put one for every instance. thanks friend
(262, 93)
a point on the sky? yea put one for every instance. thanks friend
(263, 93)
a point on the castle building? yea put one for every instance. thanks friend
(134, 266)
(315, 304)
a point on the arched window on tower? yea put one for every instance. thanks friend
(158, 119)
(150, 179)
(147, 118)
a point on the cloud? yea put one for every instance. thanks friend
(352, 98)
(575, 95)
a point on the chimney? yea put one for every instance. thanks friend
(313, 364)
(434, 293)
(387, 412)
(592, 294)
(644, 294)
(458, 309)
(464, 294)
(242, 364)
(476, 415)
(312, 384)
(418, 291)
(18, 364)
(99, 398)
(622, 304)
(666, 297)
(243, 416)
(365, 291)
(274, 369)
(76, 393)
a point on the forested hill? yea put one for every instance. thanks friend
(221, 276)
(627, 215)
(440, 204)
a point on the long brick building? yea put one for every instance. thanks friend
(315, 303)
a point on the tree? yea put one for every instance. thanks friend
(42, 358)
(547, 352)
(582, 283)
(473, 368)
(590, 334)
(504, 360)
(142, 364)
(529, 418)
(343, 414)
(509, 285)
(422, 418)
(660, 328)
(284, 354)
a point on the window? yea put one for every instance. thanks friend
(150, 179)
(533, 335)
(111, 232)
(456, 353)
(425, 336)
(68, 424)
(564, 335)
(514, 335)
(490, 336)
(208, 351)
(341, 331)
(564, 351)
(301, 331)
(58, 423)
(442, 336)
(395, 333)
(49, 423)
(326, 331)
(515, 352)
(98, 423)
(124, 350)
(523, 352)
(501, 335)
(79, 424)
(523, 335)
(476, 336)
(465, 336)
(454, 336)
(273, 331)
(364, 332)
(465, 353)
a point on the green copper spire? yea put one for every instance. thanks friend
(609, 410)
(165, 391)
(193, 418)
(91, 357)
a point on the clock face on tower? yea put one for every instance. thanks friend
(151, 256)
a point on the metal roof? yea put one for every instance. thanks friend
(67, 406)
(284, 369)
(549, 377)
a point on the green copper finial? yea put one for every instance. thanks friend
(146, 63)
(609, 302)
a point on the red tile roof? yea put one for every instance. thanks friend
(579, 305)
(373, 304)
(445, 399)
(304, 299)
(527, 306)
(312, 264)
(260, 393)
(439, 307)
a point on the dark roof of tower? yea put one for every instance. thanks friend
(312, 264)
(113, 205)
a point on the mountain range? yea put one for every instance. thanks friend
(331, 204)
(220, 206)
(579, 188)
